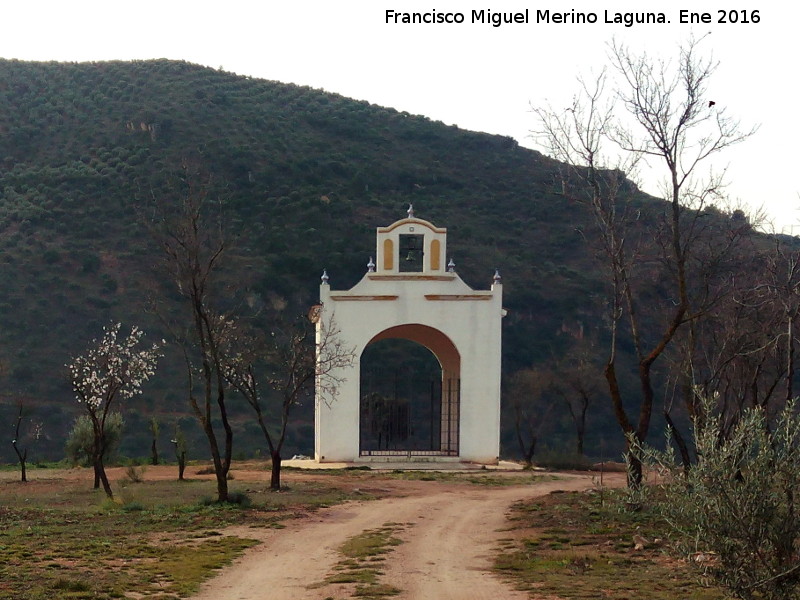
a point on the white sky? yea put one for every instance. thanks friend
(472, 75)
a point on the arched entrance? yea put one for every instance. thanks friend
(410, 393)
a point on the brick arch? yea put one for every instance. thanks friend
(434, 340)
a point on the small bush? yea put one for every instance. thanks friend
(109, 504)
(70, 585)
(134, 474)
(239, 498)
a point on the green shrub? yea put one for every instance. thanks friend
(738, 507)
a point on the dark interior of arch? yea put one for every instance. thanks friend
(401, 398)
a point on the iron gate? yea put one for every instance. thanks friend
(404, 415)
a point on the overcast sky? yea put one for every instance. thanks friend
(473, 75)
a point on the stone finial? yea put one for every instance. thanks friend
(371, 266)
(497, 279)
(325, 277)
(451, 266)
(410, 211)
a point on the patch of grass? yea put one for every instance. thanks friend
(180, 569)
(361, 553)
(572, 545)
(70, 585)
(488, 478)
(371, 543)
(378, 590)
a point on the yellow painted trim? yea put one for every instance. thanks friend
(413, 221)
(388, 255)
(411, 277)
(363, 298)
(455, 297)
(436, 251)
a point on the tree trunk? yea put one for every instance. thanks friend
(22, 456)
(686, 459)
(181, 465)
(96, 476)
(790, 360)
(222, 480)
(530, 452)
(154, 453)
(526, 450)
(220, 468)
(580, 425)
(634, 469)
(100, 472)
(275, 478)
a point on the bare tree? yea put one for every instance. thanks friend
(742, 352)
(673, 123)
(290, 363)
(192, 233)
(577, 381)
(781, 289)
(22, 455)
(533, 399)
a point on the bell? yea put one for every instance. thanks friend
(411, 257)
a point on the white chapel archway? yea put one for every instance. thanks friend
(412, 292)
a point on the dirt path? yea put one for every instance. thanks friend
(448, 541)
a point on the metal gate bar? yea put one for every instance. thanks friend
(444, 413)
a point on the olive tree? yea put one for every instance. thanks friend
(736, 512)
(81, 439)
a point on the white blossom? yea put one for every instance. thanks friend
(111, 367)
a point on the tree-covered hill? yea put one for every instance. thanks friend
(305, 177)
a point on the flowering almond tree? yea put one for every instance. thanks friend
(112, 368)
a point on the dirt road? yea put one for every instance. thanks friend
(450, 533)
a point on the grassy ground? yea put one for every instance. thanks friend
(158, 539)
(362, 557)
(581, 545)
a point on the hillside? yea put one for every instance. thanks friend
(305, 176)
